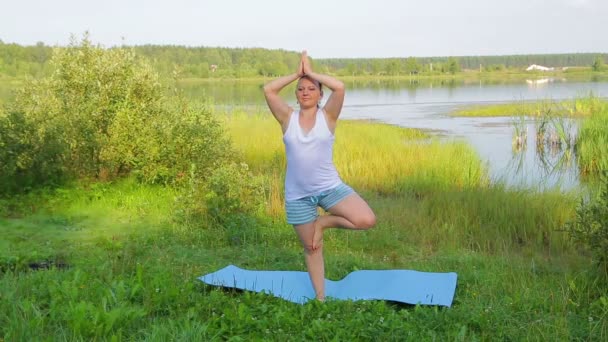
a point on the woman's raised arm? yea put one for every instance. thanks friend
(333, 106)
(279, 108)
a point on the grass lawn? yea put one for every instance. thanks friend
(111, 261)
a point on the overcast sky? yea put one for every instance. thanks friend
(344, 28)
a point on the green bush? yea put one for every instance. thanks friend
(233, 189)
(163, 149)
(230, 192)
(81, 99)
(31, 153)
(101, 115)
(590, 226)
(62, 122)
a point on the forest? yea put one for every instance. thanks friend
(222, 62)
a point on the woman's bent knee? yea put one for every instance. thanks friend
(365, 222)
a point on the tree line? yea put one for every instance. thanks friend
(221, 62)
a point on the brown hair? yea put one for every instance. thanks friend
(317, 83)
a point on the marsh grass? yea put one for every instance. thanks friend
(520, 133)
(565, 131)
(132, 269)
(582, 106)
(561, 140)
(592, 142)
(502, 109)
(370, 156)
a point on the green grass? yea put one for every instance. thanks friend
(108, 262)
(592, 142)
(578, 107)
(370, 156)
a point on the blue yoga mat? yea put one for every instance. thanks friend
(406, 286)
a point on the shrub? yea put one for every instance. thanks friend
(31, 153)
(230, 191)
(62, 122)
(590, 226)
(102, 114)
(163, 149)
(90, 86)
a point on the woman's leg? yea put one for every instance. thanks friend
(313, 257)
(351, 213)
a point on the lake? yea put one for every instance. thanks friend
(426, 105)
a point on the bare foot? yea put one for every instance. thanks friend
(317, 237)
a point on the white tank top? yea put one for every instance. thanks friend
(310, 166)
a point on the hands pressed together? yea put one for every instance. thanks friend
(304, 67)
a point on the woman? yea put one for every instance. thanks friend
(311, 179)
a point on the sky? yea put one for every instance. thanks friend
(325, 28)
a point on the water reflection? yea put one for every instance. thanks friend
(551, 160)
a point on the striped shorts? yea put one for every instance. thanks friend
(304, 210)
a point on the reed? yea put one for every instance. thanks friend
(520, 133)
(592, 142)
(557, 141)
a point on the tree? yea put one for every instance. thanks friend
(351, 69)
(102, 114)
(393, 67)
(412, 66)
(598, 64)
(453, 65)
(376, 67)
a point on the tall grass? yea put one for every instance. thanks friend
(392, 160)
(592, 141)
(411, 176)
(370, 156)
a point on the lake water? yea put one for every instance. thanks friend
(427, 106)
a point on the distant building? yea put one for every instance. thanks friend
(538, 67)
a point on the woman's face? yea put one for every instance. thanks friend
(308, 93)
